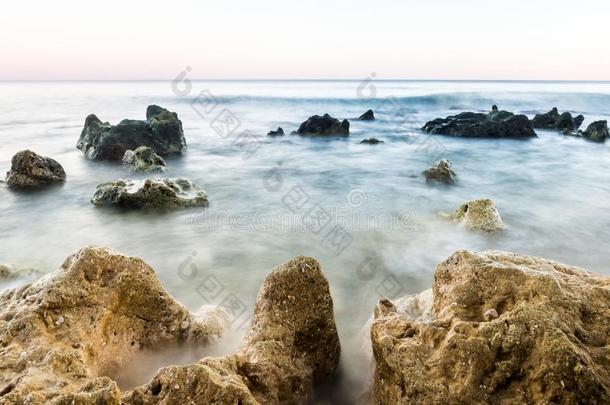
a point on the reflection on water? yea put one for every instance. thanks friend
(285, 196)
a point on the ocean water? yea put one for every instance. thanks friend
(364, 211)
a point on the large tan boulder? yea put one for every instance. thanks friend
(501, 329)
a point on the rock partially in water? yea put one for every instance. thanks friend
(371, 141)
(478, 215)
(278, 132)
(151, 193)
(323, 125)
(61, 335)
(496, 124)
(292, 345)
(597, 131)
(552, 120)
(548, 343)
(441, 173)
(143, 159)
(10, 272)
(30, 170)
(162, 132)
(367, 116)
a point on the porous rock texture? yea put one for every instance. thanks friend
(548, 341)
(30, 170)
(441, 173)
(143, 159)
(477, 215)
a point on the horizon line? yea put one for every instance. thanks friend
(308, 80)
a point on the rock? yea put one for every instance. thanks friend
(597, 131)
(162, 132)
(367, 116)
(144, 159)
(497, 124)
(494, 109)
(549, 344)
(278, 132)
(490, 314)
(555, 121)
(151, 193)
(10, 272)
(63, 333)
(371, 141)
(30, 170)
(323, 125)
(478, 215)
(292, 345)
(441, 173)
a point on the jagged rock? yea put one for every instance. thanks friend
(278, 132)
(323, 125)
(162, 132)
(441, 173)
(371, 141)
(554, 121)
(30, 170)
(367, 116)
(144, 159)
(478, 215)
(292, 346)
(496, 124)
(61, 335)
(151, 193)
(597, 131)
(548, 345)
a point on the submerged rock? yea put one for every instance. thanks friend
(597, 131)
(162, 132)
(496, 124)
(30, 170)
(441, 173)
(62, 334)
(367, 116)
(143, 159)
(278, 132)
(503, 328)
(323, 125)
(371, 141)
(478, 215)
(552, 120)
(151, 193)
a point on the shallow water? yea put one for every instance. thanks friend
(551, 192)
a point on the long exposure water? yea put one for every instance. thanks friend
(377, 231)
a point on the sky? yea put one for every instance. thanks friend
(286, 39)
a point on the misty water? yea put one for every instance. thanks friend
(377, 233)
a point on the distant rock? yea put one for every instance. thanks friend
(162, 132)
(10, 272)
(596, 131)
(278, 132)
(552, 120)
(496, 124)
(30, 170)
(478, 215)
(367, 116)
(152, 193)
(323, 125)
(144, 159)
(441, 173)
(371, 141)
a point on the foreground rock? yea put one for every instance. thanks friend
(278, 132)
(502, 329)
(162, 132)
(597, 131)
(143, 159)
(292, 346)
(367, 116)
(30, 170)
(555, 121)
(496, 124)
(62, 334)
(478, 215)
(323, 125)
(371, 141)
(151, 193)
(441, 173)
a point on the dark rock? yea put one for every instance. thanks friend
(497, 124)
(162, 132)
(30, 170)
(441, 173)
(367, 116)
(324, 125)
(278, 132)
(554, 121)
(494, 108)
(597, 131)
(371, 141)
(144, 159)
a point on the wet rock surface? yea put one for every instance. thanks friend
(477, 215)
(501, 328)
(30, 171)
(552, 120)
(323, 125)
(162, 132)
(496, 124)
(278, 132)
(597, 131)
(371, 141)
(151, 193)
(440, 173)
(367, 116)
(143, 159)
